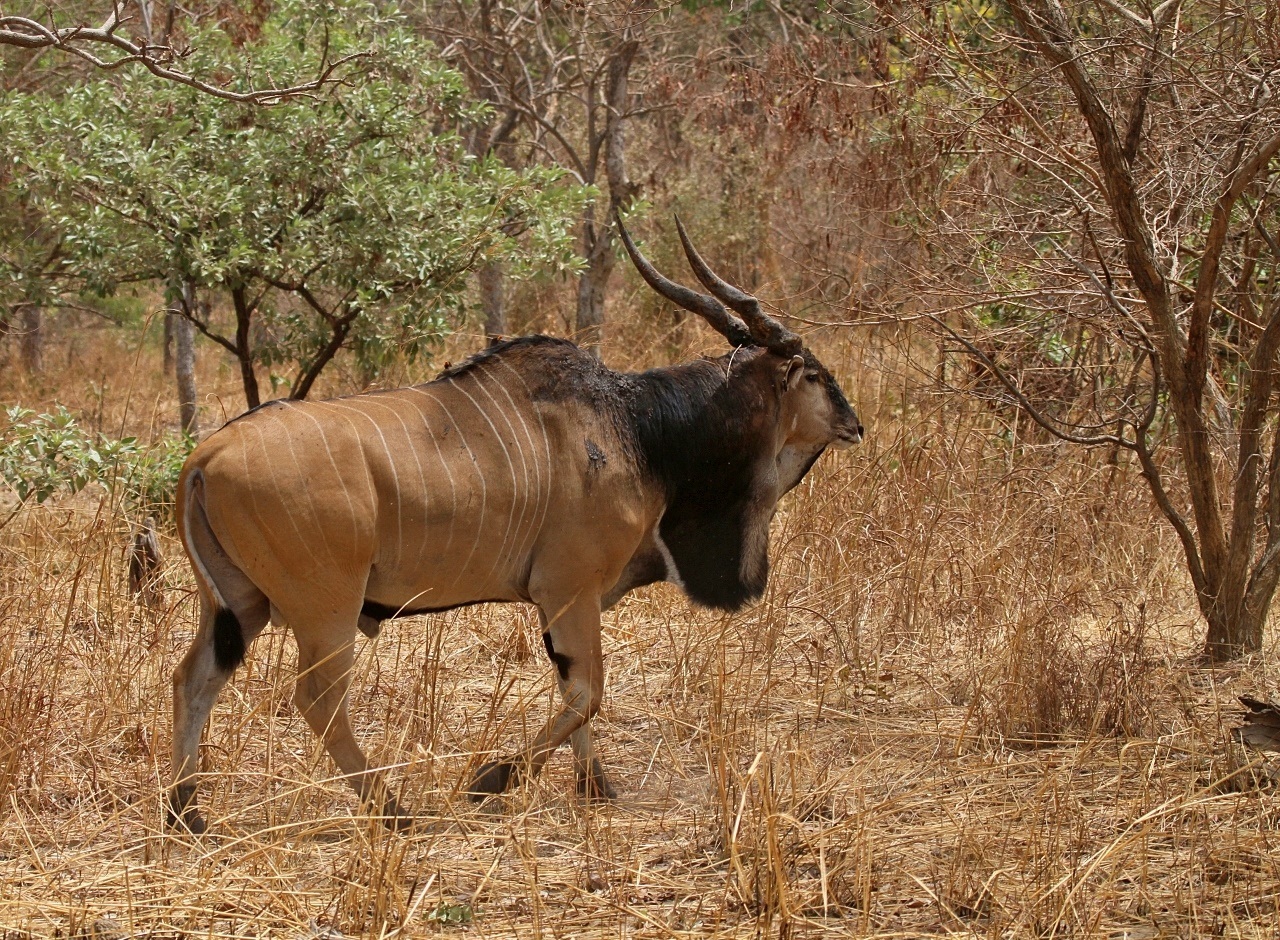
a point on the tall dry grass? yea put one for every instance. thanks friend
(968, 705)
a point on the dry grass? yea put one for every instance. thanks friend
(967, 706)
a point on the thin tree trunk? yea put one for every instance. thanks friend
(31, 328)
(589, 323)
(170, 319)
(492, 301)
(340, 327)
(244, 316)
(597, 238)
(484, 140)
(184, 334)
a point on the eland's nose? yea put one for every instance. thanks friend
(848, 438)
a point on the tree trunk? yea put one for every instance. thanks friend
(184, 334)
(596, 246)
(597, 239)
(1231, 636)
(170, 318)
(31, 328)
(492, 301)
(1237, 612)
(244, 316)
(340, 325)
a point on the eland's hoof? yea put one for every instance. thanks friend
(594, 786)
(395, 817)
(181, 814)
(494, 777)
(190, 822)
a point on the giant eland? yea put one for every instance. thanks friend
(529, 473)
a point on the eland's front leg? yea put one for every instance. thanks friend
(571, 634)
(587, 769)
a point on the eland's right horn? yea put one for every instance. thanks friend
(765, 330)
(710, 309)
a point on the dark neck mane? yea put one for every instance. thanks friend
(701, 431)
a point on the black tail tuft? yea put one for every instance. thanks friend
(228, 640)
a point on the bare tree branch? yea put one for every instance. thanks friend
(84, 42)
(1024, 403)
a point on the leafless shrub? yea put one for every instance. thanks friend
(1113, 190)
(1044, 683)
(145, 563)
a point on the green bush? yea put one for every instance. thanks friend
(43, 455)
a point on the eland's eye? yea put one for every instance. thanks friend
(812, 376)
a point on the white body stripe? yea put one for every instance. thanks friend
(395, 476)
(355, 523)
(484, 488)
(545, 486)
(422, 478)
(522, 494)
(453, 489)
(534, 522)
(511, 466)
(315, 513)
(275, 485)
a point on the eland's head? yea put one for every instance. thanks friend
(814, 412)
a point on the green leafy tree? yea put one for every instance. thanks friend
(350, 220)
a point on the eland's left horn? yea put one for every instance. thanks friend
(710, 309)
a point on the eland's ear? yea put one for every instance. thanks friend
(790, 371)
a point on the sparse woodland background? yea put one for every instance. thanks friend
(990, 688)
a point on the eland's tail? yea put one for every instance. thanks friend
(224, 584)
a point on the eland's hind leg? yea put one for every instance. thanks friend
(196, 684)
(587, 769)
(325, 659)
